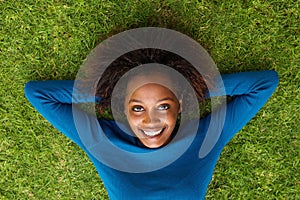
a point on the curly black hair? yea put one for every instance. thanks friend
(130, 60)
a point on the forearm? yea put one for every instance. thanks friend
(52, 91)
(244, 83)
(257, 83)
(250, 90)
(53, 99)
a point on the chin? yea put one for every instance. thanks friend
(153, 146)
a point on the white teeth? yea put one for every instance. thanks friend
(152, 133)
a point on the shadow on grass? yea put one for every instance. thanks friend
(165, 16)
(168, 17)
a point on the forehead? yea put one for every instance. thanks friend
(153, 77)
(152, 91)
(152, 80)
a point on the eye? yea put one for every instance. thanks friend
(137, 108)
(163, 107)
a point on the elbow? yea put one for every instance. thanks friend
(268, 82)
(273, 79)
(30, 89)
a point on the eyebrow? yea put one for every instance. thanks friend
(163, 99)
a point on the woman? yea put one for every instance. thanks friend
(149, 120)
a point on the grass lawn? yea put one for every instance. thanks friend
(42, 40)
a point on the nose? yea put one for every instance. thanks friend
(152, 117)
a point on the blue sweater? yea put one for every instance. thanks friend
(188, 176)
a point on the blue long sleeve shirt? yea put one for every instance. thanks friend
(186, 177)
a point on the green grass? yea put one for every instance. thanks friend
(42, 40)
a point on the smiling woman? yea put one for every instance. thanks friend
(151, 95)
(152, 103)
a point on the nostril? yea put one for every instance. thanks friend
(151, 118)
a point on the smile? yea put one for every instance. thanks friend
(153, 133)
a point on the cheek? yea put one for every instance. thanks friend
(133, 119)
(172, 119)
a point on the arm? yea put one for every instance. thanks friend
(53, 99)
(251, 90)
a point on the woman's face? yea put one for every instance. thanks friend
(152, 111)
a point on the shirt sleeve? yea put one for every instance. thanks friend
(53, 99)
(250, 90)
